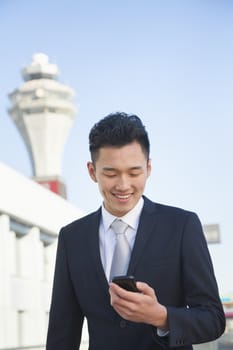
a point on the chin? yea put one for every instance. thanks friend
(122, 211)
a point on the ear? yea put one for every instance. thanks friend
(91, 170)
(148, 167)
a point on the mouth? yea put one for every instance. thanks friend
(122, 197)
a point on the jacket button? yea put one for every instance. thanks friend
(122, 323)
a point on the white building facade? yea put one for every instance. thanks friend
(30, 219)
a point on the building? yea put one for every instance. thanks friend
(28, 236)
(43, 112)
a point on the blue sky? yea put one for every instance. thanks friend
(170, 62)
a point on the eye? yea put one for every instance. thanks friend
(109, 175)
(134, 174)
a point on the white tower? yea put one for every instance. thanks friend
(43, 111)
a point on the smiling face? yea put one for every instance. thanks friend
(121, 174)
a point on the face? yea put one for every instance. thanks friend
(121, 174)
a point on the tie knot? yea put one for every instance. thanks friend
(119, 226)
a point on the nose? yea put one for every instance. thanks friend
(122, 183)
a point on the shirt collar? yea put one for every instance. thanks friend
(131, 218)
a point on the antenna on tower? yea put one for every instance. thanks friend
(43, 112)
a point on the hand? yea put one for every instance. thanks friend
(138, 307)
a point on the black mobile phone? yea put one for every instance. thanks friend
(126, 282)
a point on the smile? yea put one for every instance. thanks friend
(126, 196)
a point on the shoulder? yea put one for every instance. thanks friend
(164, 208)
(169, 212)
(173, 220)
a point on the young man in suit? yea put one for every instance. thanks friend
(177, 303)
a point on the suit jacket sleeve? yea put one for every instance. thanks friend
(201, 319)
(66, 317)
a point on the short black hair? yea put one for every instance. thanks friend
(118, 129)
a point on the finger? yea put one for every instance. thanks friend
(123, 302)
(145, 289)
(122, 293)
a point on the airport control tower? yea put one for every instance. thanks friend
(43, 112)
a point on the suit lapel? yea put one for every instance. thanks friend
(93, 241)
(147, 225)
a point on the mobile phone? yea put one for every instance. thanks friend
(126, 282)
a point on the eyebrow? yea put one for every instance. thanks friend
(113, 169)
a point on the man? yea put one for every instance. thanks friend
(177, 304)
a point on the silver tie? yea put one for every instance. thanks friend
(122, 251)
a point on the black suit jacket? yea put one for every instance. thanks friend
(170, 254)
